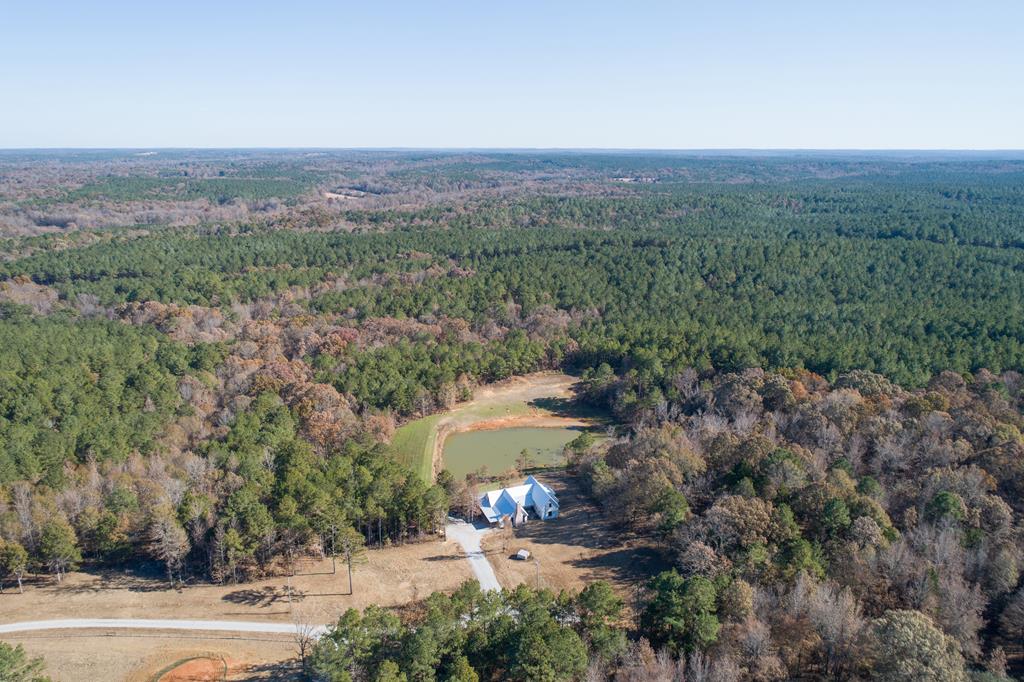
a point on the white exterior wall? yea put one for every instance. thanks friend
(532, 495)
(545, 506)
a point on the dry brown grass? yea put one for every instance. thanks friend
(142, 657)
(578, 547)
(394, 576)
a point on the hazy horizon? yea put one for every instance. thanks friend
(712, 151)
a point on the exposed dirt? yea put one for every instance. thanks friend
(207, 668)
(578, 547)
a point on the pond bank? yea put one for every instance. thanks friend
(499, 450)
(541, 400)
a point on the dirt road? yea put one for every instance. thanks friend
(153, 624)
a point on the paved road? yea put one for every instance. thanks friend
(148, 624)
(469, 537)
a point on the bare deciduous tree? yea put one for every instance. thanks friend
(168, 541)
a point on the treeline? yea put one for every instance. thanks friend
(245, 504)
(117, 443)
(184, 188)
(527, 634)
(473, 635)
(420, 376)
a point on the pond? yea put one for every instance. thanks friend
(498, 450)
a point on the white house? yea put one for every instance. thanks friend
(532, 499)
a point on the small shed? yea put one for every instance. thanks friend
(523, 554)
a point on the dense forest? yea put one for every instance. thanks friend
(813, 363)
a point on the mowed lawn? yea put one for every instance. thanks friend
(413, 445)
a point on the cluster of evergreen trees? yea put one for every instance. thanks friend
(471, 635)
(73, 389)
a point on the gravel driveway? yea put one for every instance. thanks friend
(469, 536)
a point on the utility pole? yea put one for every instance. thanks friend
(536, 562)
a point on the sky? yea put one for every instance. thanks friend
(900, 74)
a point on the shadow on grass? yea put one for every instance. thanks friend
(264, 597)
(444, 557)
(571, 408)
(628, 564)
(285, 671)
(619, 554)
(142, 577)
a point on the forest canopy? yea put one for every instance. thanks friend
(811, 366)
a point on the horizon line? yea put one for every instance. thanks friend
(982, 150)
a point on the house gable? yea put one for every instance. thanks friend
(514, 501)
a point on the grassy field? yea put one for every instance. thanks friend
(413, 445)
(390, 577)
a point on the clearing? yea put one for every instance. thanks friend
(158, 655)
(541, 400)
(578, 547)
(393, 576)
(568, 552)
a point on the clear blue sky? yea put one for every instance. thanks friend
(822, 74)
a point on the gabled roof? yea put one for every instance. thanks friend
(497, 503)
(531, 481)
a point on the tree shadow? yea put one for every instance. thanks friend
(264, 597)
(284, 671)
(562, 407)
(140, 578)
(571, 408)
(34, 580)
(580, 522)
(445, 557)
(607, 550)
(628, 564)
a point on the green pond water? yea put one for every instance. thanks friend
(499, 449)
